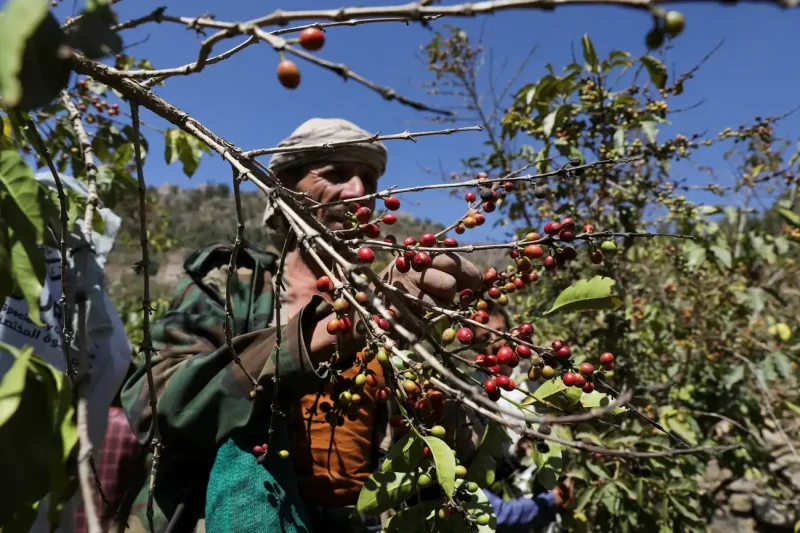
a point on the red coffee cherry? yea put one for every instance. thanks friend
(324, 284)
(366, 255)
(312, 39)
(402, 264)
(421, 261)
(392, 203)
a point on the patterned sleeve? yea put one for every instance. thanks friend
(202, 393)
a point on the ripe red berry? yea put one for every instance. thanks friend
(587, 369)
(588, 387)
(324, 284)
(363, 214)
(564, 351)
(588, 228)
(552, 228)
(466, 296)
(490, 385)
(511, 385)
(504, 355)
(495, 293)
(523, 351)
(550, 262)
(333, 326)
(389, 219)
(533, 251)
(482, 317)
(557, 344)
(345, 324)
(569, 379)
(502, 381)
(480, 359)
(371, 230)
(470, 197)
(421, 261)
(482, 176)
(580, 381)
(383, 324)
(450, 242)
(402, 264)
(428, 240)
(479, 219)
(568, 223)
(410, 241)
(493, 369)
(288, 74)
(382, 394)
(509, 185)
(489, 207)
(569, 253)
(312, 39)
(606, 358)
(366, 255)
(518, 283)
(391, 239)
(566, 235)
(464, 335)
(392, 203)
(609, 367)
(372, 380)
(526, 329)
(490, 360)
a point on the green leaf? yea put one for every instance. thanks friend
(650, 128)
(586, 496)
(410, 520)
(656, 69)
(597, 470)
(608, 497)
(384, 490)
(481, 470)
(548, 465)
(586, 295)
(599, 399)
(549, 121)
(682, 509)
(18, 22)
(478, 503)
(93, 35)
(18, 178)
(549, 388)
(405, 455)
(790, 216)
(445, 464)
(589, 54)
(723, 256)
(13, 383)
(733, 377)
(170, 140)
(619, 141)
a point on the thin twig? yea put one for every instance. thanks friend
(147, 342)
(332, 146)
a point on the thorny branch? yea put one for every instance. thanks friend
(147, 342)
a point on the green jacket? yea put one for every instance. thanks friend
(202, 394)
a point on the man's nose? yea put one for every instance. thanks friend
(352, 188)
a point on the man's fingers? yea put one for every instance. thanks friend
(438, 284)
(466, 274)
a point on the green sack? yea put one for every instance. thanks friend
(245, 496)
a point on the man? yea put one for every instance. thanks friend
(209, 476)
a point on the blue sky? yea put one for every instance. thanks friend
(755, 73)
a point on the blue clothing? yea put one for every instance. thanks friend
(519, 516)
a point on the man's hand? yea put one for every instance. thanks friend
(565, 493)
(439, 284)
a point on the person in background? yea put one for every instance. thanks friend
(535, 512)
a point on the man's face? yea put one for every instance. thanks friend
(338, 181)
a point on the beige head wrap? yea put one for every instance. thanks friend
(328, 130)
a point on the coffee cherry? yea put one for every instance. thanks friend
(428, 240)
(332, 326)
(472, 487)
(448, 336)
(550, 262)
(479, 219)
(283, 454)
(654, 38)
(568, 224)
(402, 264)
(566, 235)
(340, 305)
(580, 381)
(534, 373)
(564, 351)
(466, 296)
(450, 242)
(503, 382)
(424, 480)
(460, 229)
(606, 358)
(482, 317)
(494, 293)
(421, 261)
(324, 284)
(345, 325)
(609, 367)
(489, 207)
(288, 74)
(382, 357)
(490, 385)
(587, 369)
(480, 360)
(312, 39)
(552, 228)
(366, 255)
(409, 386)
(608, 246)
(596, 257)
(544, 429)
(372, 380)
(470, 196)
(540, 192)
(392, 203)
(461, 471)
(523, 351)
(533, 251)
(363, 214)
(410, 241)
(362, 297)
(518, 283)
(526, 329)
(569, 379)
(470, 222)
(569, 253)
(674, 23)
(258, 449)
(491, 360)
(382, 394)
(464, 336)
(588, 228)
(588, 387)
(389, 219)
(504, 355)
(557, 344)
(438, 432)
(509, 185)
(548, 372)
(483, 520)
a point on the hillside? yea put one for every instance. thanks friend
(181, 220)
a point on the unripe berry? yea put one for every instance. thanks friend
(534, 373)
(340, 305)
(674, 23)
(460, 229)
(283, 454)
(464, 336)
(470, 222)
(448, 336)
(608, 246)
(438, 432)
(461, 472)
(424, 480)
(392, 203)
(548, 372)
(533, 251)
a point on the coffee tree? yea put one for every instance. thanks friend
(578, 195)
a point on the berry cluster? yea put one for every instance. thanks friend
(311, 39)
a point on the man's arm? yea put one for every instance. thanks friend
(202, 393)
(520, 515)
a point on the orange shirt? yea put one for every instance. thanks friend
(332, 463)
